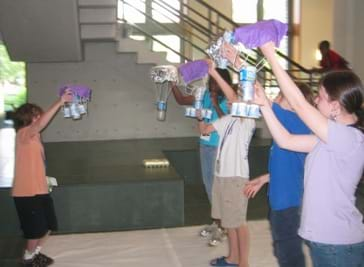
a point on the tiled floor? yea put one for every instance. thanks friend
(177, 247)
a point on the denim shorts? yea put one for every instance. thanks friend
(325, 255)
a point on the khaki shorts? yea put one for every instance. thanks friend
(229, 204)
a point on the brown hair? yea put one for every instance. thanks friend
(306, 91)
(346, 87)
(25, 114)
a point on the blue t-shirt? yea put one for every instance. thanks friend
(213, 138)
(286, 167)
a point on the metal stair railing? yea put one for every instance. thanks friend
(206, 33)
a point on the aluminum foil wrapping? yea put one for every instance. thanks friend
(163, 73)
(215, 50)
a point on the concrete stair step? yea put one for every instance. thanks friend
(98, 15)
(99, 31)
(144, 55)
(98, 3)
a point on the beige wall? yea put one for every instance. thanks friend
(316, 25)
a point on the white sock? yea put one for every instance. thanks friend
(28, 255)
(37, 250)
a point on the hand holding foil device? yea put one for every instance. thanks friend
(162, 76)
(78, 106)
(195, 74)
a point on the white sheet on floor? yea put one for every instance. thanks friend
(171, 247)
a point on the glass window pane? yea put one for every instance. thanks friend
(275, 9)
(163, 13)
(172, 41)
(245, 11)
(131, 14)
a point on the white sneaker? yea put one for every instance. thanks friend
(209, 230)
(217, 237)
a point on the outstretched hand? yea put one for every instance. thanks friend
(260, 97)
(229, 52)
(252, 187)
(211, 65)
(67, 96)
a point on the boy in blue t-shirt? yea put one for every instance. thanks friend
(285, 191)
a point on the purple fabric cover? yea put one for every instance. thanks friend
(259, 33)
(80, 90)
(194, 70)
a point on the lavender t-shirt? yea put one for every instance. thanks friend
(332, 173)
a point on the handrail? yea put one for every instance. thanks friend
(153, 38)
(184, 29)
(218, 12)
(181, 14)
(166, 28)
(289, 60)
(209, 34)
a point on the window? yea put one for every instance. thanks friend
(132, 11)
(12, 82)
(164, 13)
(172, 41)
(245, 11)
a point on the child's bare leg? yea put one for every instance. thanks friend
(243, 239)
(31, 245)
(43, 239)
(233, 245)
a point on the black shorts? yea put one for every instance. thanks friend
(36, 214)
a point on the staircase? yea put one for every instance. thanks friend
(199, 24)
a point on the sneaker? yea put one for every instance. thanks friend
(44, 259)
(35, 262)
(217, 237)
(209, 230)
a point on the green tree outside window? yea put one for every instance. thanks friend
(12, 82)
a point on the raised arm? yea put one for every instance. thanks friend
(47, 116)
(181, 99)
(309, 114)
(225, 87)
(299, 143)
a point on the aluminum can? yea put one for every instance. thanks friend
(248, 73)
(247, 88)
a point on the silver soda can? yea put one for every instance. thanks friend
(254, 111)
(198, 104)
(248, 73)
(66, 112)
(81, 108)
(74, 112)
(206, 113)
(247, 88)
(161, 105)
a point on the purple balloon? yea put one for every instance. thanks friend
(80, 90)
(194, 70)
(259, 33)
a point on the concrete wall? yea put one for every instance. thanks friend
(349, 32)
(41, 31)
(123, 98)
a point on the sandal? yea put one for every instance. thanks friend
(220, 262)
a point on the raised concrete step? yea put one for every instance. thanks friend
(144, 55)
(98, 31)
(98, 15)
(98, 3)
